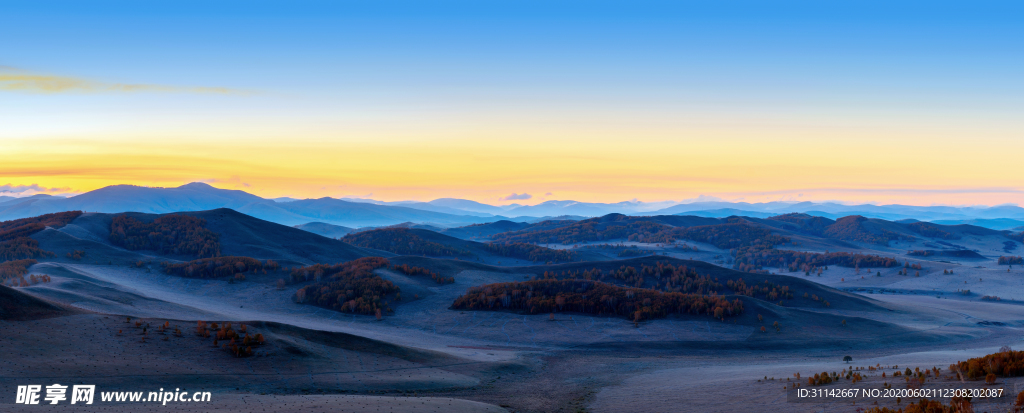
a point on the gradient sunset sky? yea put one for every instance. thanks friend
(868, 101)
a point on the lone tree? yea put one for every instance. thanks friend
(847, 359)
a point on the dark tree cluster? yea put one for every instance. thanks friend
(225, 337)
(530, 252)
(588, 230)
(422, 272)
(76, 255)
(592, 297)
(169, 234)
(28, 226)
(1006, 363)
(13, 272)
(750, 259)
(402, 241)
(851, 228)
(932, 231)
(1012, 260)
(15, 241)
(1019, 237)
(663, 277)
(768, 290)
(724, 236)
(22, 248)
(921, 253)
(219, 267)
(348, 287)
(735, 233)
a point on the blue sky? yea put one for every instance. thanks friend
(675, 74)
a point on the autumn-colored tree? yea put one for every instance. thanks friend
(15, 241)
(348, 287)
(1012, 260)
(592, 297)
(422, 272)
(169, 234)
(530, 252)
(752, 259)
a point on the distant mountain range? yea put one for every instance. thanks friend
(451, 212)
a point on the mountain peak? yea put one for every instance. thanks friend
(196, 185)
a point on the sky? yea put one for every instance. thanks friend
(521, 101)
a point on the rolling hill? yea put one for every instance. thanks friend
(414, 241)
(325, 229)
(238, 235)
(201, 197)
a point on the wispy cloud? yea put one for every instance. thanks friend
(14, 80)
(515, 197)
(31, 189)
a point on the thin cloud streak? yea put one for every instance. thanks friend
(19, 81)
(29, 189)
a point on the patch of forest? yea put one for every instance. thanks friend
(530, 252)
(12, 273)
(593, 297)
(1005, 363)
(1010, 260)
(953, 253)
(676, 279)
(15, 241)
(750, 259)
(724, 236)
(169, 234)
(350, 287)
(220, 267)
(422, 272)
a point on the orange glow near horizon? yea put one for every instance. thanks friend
(653, 101)
(753, 164)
